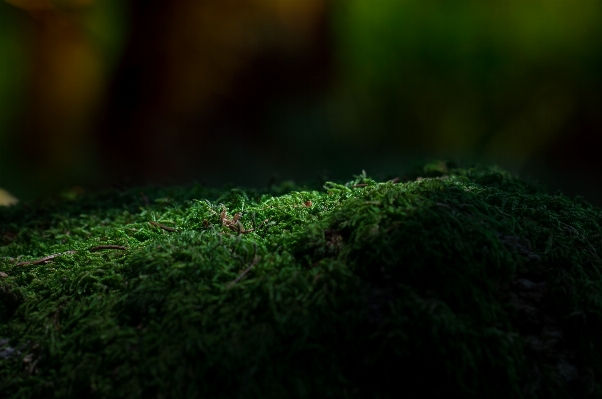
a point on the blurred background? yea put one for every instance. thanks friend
(95, 93)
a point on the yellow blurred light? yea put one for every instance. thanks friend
(6, 198)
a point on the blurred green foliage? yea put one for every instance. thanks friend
(485, 78)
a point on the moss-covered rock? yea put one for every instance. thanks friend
(451, 280)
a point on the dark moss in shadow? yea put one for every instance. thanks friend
(452, 280)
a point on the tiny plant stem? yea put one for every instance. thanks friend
(162, 226)
(145, 199)
(255, 261)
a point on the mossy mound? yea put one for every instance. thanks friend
(451, 281)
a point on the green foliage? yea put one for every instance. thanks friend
(358, 290)
(488, 79)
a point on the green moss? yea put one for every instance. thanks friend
(456, 280)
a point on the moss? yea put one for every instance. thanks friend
(455, 279)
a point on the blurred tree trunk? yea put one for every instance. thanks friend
(191, 92)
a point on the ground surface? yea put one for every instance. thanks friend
(450, 280)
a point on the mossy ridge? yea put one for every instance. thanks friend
(431, 275)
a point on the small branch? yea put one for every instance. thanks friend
(45, 259)
(162, 226)
(102, 247)
(261, 224)
(239, 228)
(255, 261)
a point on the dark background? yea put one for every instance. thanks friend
(116, 92)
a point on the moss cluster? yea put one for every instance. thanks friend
(451, 280)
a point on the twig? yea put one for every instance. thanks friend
(162, 226)
(101, 247)
(255, 261)
(262, 223)
(45, 259)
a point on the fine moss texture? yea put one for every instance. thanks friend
(452, 280)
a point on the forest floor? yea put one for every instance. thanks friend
(451, 279)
